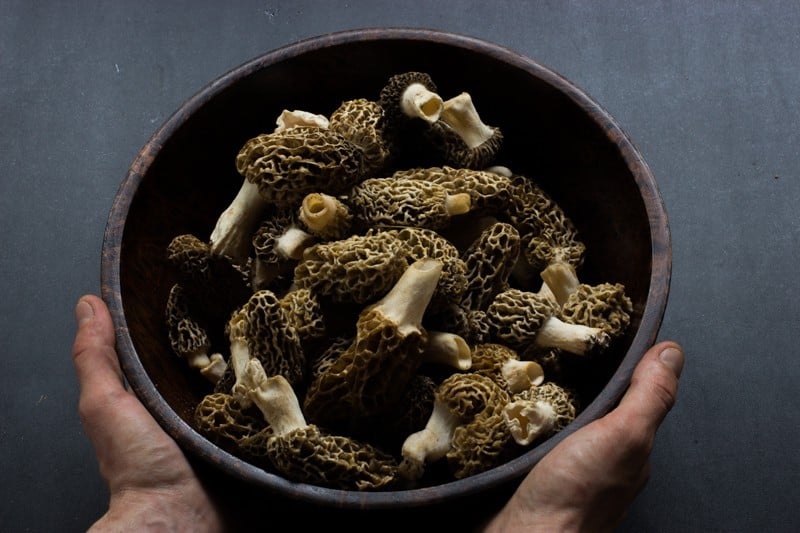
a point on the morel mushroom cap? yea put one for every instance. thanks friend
(304, 311)
(462, 137)
(278, 244)
(325, 216)
(388, 349)
(262, 330)
(540, 412)
(288, 165)
(189, 339)
(223, 420)
(466, 426)
(400, 202)
(604, 306)
(503, 364)
(214, 286)
(469, 324)
(490, 261)
(360, 121)
(519, 318)
(302, 452)
(490, 192)
(357, 269)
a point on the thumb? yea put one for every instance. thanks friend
(95, 358)
(653, 388)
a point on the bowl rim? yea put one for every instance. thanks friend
(198, 446)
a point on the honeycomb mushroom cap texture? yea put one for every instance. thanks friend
(308, 455)
(186, 335)
(515, 316)
(361, 122)
(454, 151)
(483, 440)
(399, 202)
(288, 165)
(604, 306)
(369, 376)
(489, 262)
(564, 401)
(223, 420)
(490, 192)
(271, 338)
(358, 269)
(304, 312)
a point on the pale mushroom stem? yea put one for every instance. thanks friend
(240, 356)
(419, 102)
(275, 398)
(529, 419)
(574, 338)
(448, 349)
(292, 119)
(293, 242)
(406, 302)
(460, 114)
(215, 368)
(429, 444)
(321, 211)
(458, 204)
(235, 226)
(561, 279)
(522, 375)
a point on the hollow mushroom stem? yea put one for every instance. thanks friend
(448, 349)
(529, 419)
(275, 398)
(460, 114)
(522, 375)
(406, 302)
(429, 444)
(292, 119)
(234, 227)
(325, 215)
(419, 102)
(293, 242)
(574, 338)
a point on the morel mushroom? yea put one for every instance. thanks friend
(357, 269)
(189, 339)
(360, 121)
(304, 311)
(503, 365)
(448, 349)
(604, 306)
(490, 192)
(372, 373)
(278, 244)
(539, 412)
(325, 216)
(262, 330)
(548, 234)
(490, 261)
(462, 137)
(400, 202)
(303, 452)
(298, 118)
(224, 421)
(466, 426)
(519, 318)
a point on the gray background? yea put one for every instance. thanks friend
(708, 91)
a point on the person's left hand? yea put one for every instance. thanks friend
(151, 484)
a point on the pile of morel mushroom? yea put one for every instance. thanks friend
(366, 278)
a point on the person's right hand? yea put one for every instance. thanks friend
(587, 481)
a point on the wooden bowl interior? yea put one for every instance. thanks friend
(185, 177)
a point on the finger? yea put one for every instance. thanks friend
(653, 389)
(93, 351)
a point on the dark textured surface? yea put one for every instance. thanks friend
(707, 91)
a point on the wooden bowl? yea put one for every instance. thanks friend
(184, 177)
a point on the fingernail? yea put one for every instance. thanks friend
(673, 358)
(83, 312)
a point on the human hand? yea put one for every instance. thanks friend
(151, 484)
(587, 481)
